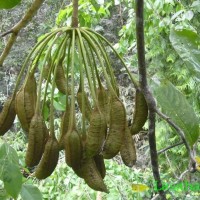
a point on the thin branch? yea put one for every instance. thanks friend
(6, 33)
(16, 29)
(148, 95)
(170, 147)
(170, 165)
(181, 134)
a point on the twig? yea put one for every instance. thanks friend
(170, 165)
(181, 134)
(148, 95)
(170, 147)
(16, 29)
(6, 33)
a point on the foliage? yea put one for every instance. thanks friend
(172, 51)
(8, 4)
(11, 176)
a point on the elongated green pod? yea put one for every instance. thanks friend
(49, 159)
(73, 149)
(140, 113)
(128, 151)
(92, 176)
(96, 133)
(7, 115)
(99, 161)
(103, 102)
(36, 142)
(26, 101)
(60, 79)
(116, 129)
(88, 108)
(64, 127)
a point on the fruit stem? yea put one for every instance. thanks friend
(75, 14)
(82, 89)
(72, 122)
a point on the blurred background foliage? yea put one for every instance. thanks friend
(115, 19)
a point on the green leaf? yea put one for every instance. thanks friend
(30, 192)
(58, 105)
(7, 4)
(7, 152)
(12, 179)
(176, 106)
(187, 45)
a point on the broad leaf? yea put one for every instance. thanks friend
(139, 187)
(187, 45)
(30, 192)
(7, 152)
(12, 179)
(176, 106)
(7, 4)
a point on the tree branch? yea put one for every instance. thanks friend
(181, 134)
(16, 29)
(170, 147)
(148, 95)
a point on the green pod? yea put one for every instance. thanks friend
(26, 101)
(49, 159)
(96, 133)
(92, 176)
(60, 79)
(99, 161)
(128, 151)
(36, 141)
(116, 129)
(140, 113)
(88, 108)
(73, 149)
(103, 102)
(64, 127)
(7, 116)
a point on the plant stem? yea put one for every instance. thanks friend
(75, 14)
(148, 96)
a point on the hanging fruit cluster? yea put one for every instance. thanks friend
(64, 56)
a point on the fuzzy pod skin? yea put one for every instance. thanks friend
(73, 149)
(116, 130)
(99, 161)
(96, 134)
(60, 79)
(92, 176)
(140, 113)
(7, 116)
(103, 102)
(128, 150)
(88, 109)
(64, 128)
(25, 102)
(36, 142)
(49, 159)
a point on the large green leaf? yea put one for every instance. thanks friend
(7, 152)
(187, 43)
(176, 106)
(7, 4)
(30, 192)
(12, 178)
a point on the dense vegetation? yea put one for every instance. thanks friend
(172, 56)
